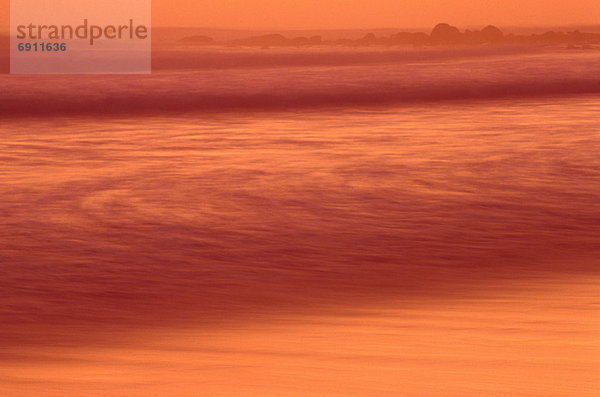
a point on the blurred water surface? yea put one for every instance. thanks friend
(130, 220)
(151, 220)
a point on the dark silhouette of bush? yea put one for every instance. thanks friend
(406, 38)
(315, 40)
(197, 40)
(492, 34)
(265, 40)
(444, 33)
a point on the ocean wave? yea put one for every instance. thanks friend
(284, 87)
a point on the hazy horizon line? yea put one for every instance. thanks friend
(406, 28)
(469, 26)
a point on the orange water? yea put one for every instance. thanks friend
(443, 248)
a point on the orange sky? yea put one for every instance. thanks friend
(335, 14)
(316, 14)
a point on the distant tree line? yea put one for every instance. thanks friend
(442, 34)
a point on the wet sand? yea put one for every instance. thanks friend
(540, 338)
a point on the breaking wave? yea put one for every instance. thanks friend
(278, 82)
